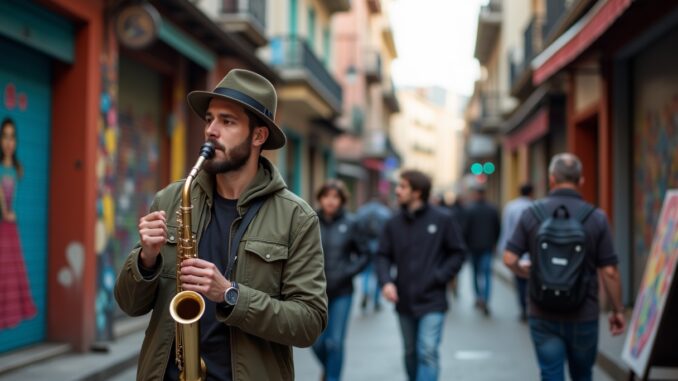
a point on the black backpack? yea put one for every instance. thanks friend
(559, 278)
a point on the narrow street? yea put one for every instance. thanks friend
(474, 347)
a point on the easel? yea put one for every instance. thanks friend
(664, 355)
(651, 346)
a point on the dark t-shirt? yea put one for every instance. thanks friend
(214, 335)
(599, 250)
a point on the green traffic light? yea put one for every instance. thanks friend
(476, 168)
(488, 168)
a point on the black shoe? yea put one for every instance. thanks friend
(377, 307)
(363, 303)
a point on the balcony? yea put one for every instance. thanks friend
(374, 6)
(372, 66)
(489, 25)
(520, 73)
(336, 5)
(555, 11)
(246, 18)
(390, 97)
(357, 120)
(308, 84)
(489, 116)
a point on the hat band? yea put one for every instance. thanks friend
(244, 98)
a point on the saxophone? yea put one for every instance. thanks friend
(187, 307)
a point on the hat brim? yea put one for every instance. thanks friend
(199, 101)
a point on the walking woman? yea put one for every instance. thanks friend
(16, 302)
(345, 256)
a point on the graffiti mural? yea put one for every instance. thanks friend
(16, 301)
(656, 163)
(654, 291)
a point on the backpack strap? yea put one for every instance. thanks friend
(235, 242)
(538, 210)
(584, 212)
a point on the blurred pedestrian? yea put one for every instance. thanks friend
(459, 214)
(424, 245)
(372, 217)
(569, 241)
(510, 217)
(481, 232)
(345, 256)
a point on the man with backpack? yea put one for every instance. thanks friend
(569, 243)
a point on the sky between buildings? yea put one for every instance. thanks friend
(435, 41)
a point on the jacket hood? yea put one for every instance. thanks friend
(266, 182)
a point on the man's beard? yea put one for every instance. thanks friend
(237, 158)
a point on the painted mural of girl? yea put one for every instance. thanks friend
(16, 302)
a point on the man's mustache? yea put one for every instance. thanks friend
(216, 145)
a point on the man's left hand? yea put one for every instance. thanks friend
(205, 278)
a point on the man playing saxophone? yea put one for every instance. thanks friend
(264, 292)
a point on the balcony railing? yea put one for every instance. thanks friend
(532, 44)
(254, 8)
(372, 65)
(247, 17)
(489, 24)
(390, 96)
(555, 10)
(293, 53)
(490, 115)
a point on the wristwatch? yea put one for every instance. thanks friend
(231, 294)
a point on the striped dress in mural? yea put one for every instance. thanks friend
(16, 302)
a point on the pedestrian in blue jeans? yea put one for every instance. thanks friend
(372, 217)
(345, 256)
(424, 245)
(570, 335)
(481, 233)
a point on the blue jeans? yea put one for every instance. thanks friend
(556, 341)
(421, 337)
(329, 348)
(521, 288)
(369, 278)
(482, 274)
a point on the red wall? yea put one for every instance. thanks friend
(72, 197)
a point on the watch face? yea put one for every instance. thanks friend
(231, 296)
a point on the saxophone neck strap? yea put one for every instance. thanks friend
(235, 242)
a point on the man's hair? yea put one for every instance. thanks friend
(526, 189)
(419, 181)
(336, 185)
(565, 168)
(254, 119)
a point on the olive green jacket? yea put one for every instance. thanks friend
(279, 269)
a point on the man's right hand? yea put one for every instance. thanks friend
(617, 323)
(153, 234)
(390, 292)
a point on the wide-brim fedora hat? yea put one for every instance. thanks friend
(249, 89)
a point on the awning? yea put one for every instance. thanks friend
(577, 39)
(535, 128)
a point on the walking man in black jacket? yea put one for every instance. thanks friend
(424, 245)
(481, 232)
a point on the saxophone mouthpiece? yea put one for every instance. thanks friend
(207, 150)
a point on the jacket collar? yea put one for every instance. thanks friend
(338, 216)
(565, 192)
(267, 181)
(412, 215)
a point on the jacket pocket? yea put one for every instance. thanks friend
(169, 252)
(263, 264)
